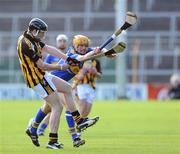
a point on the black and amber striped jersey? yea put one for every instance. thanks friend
(90, 78)
(29, 52)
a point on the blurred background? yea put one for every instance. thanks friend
(142, 72)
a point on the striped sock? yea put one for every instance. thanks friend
(53, 137)
(39, 117)
(77, 117)
(71, 124)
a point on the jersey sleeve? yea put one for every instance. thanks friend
(48, 59)
(72, 55)
(28, 51)
(89, 49)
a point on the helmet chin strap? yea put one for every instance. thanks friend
(35, 34)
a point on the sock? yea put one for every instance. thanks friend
(39, 117)
(71, 124)
(53, 138)
(42, 127)
(77, 117)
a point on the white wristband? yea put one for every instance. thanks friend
(61, 67)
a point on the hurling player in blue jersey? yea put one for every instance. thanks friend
(80, 51)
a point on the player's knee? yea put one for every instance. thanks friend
(57, 107)
(46, 108)
(54, 101)
(67, 89)
(58, 104)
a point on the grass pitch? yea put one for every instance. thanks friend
(124, 128)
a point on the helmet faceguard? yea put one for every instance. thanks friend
(37, 26)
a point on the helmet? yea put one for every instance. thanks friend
(81, 40)
(175, 79)
(61, 37)
(37, 24)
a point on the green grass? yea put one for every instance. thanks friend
(124, 128)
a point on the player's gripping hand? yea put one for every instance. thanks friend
(72, 61)
(97, 50)
(113, 55)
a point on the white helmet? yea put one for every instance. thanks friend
(175, 79)
(61, 37)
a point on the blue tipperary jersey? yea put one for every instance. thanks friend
(51, 59)
(72, 70)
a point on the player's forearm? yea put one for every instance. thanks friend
(91, 54)
(51, 67)
(55, 52)
(86, 56)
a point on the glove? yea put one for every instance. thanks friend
(72, 61)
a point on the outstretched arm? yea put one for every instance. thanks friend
(50, 67)
(57, 53)
(89, 54)
(54, 51)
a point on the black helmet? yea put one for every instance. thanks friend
(37, 24)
